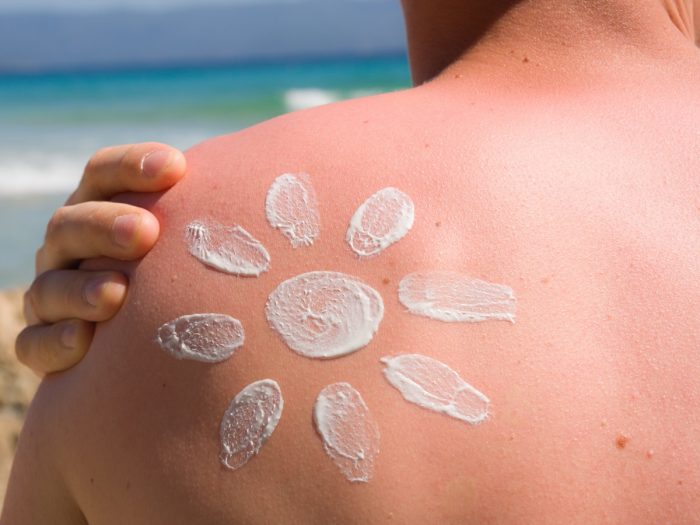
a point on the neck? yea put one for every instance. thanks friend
(559, 35)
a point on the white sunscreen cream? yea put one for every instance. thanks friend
(249, 422)
(227, 249)
(433, 385)
(349, 432)
(292, 208)
(380, 221)
(453, 297)
(210, 338)
(324, 314)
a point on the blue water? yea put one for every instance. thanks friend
(238, 95)
(50, 124)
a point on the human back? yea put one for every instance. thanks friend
(592, 222)
(589, 215)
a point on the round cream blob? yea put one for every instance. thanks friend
(291, 207)
(380, 221)
(349, 432)
(209, 338)
(227, 249)
(249, 421)
(325, 314)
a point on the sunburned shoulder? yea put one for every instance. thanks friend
(208, 331)
(149, 419)
(318, 131)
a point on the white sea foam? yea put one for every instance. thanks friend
(297, 99)
(39, 160)
(40, 174)
(305, 98)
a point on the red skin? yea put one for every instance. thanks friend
(583, 197)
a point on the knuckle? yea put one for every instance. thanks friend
(40, 259)
(56, 292)
(95, 163)
(27, 298)
(40, 348)
(36, 291)
(70, 294)
(28, 309)
(23, 346)
(56, 222)
(42, 296)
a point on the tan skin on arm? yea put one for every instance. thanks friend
(550, 188)
(63, 302)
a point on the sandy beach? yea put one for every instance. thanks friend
(17, 383)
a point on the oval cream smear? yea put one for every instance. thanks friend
(349, 432)
(453, 297)
(325, 314)
(249, 421)
(227, 249)
(210, 338)
(433, 385)
(292, 208)
(384, 218)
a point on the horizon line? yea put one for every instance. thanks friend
(176, 65)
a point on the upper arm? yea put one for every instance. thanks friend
(37, 492)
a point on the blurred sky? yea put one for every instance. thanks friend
(70, 35)
(16, 5)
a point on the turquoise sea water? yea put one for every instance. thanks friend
(50, 124)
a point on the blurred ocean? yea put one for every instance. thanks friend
(51, 124)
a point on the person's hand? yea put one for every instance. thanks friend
(63, 303)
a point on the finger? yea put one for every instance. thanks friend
(54, 347)
(28, 310)
(96, 229)
(143, 167)
(77, 294)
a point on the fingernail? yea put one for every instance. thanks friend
(102, 291)
(124, 229)
(93, 291)
(69, 336)
(154, 163)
